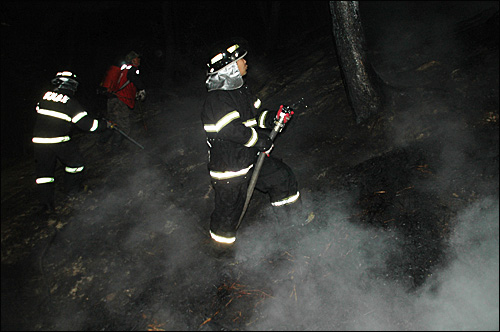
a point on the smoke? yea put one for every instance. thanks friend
(336, 277)
(324, 278)
(464, 296)
(136, 254)
(332, 280)
(325, 281)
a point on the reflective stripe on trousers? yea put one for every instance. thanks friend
(222, 239)
(44, 180)
(50, 140)
(288, 200)
(73, 170)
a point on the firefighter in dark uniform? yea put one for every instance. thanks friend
(234, 125)
(58, 112)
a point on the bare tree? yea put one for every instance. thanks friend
(362, 84)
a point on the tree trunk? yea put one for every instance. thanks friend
(363, 86)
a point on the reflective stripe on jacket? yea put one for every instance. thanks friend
(130, 82)
(232, 121)
(56, 113)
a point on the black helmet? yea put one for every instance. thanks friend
(224, 56)
(65, 80)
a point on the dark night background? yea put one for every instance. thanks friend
(40, 38)
(403, 228)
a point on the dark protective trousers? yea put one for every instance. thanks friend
(46, 156)
(275, 178)
(118, 112)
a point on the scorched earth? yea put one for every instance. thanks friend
(403, 210)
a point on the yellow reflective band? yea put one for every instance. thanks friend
(77, 117)
(253, 139)
(229, 174)
(94, 125)
(50, 140)
(44, 180)
(73, 169)
(65, 73)
(262, 119)
(226, 119)
(54, 114)
(287, 200)
(222, 239)
(257, 103)
(216, 58)
(250, 123)
(233, 48)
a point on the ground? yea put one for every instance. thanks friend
(403, 210)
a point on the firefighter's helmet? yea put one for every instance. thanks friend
(222, 56)
(66, 80)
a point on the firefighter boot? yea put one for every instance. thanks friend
(73, 185)
(221, 251)
(291, 215)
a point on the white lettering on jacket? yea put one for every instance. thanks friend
(56, 97)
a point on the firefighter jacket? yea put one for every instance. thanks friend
(57, 112)
(231, 119)
(129, 83)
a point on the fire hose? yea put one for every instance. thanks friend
(113, 126)
(278, 127)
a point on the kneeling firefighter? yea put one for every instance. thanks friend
(58, 113)
(234, 125)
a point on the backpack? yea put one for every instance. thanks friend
(112, 79)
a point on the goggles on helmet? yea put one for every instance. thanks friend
(225, 57)
(66, 80)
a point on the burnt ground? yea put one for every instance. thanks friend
(403, 211)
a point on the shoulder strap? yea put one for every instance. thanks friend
(119, 79)
(123, 86)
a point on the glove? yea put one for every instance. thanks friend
(286, 115)
(141, 95)
(264, 144)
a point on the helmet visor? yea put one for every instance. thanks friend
(66, 80)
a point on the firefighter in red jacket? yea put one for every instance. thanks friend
(122, 101)
(58, 112)
(233, 122)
